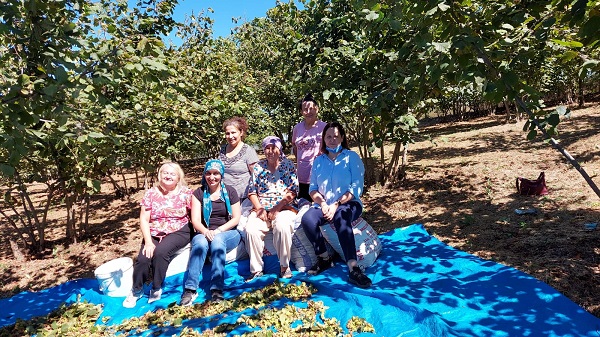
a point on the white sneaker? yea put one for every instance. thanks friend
(154, 295)
(132, 298)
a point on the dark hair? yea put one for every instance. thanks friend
(308, 98)
(239, 123)
(340, 130)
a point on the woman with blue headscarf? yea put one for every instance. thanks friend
(216, 212)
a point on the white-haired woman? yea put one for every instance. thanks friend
(164, 223)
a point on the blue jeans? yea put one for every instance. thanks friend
(219, 247)
(342, 220)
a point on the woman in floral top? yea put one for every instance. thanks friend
(272, 192)
(164, 225)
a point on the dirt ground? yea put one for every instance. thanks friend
(460, 186)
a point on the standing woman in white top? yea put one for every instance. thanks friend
(238, 157)
(306, 142)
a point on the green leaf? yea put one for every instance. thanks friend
(431, 11)
(587, 64)
(96, 135)
(395, 25)
(553, 119)
(371, 16)
(443, 7)
(153, 64)
(97, 185)
(562, 110)
(7, 170)
(569, 55)
(61, 74)
(441, 46)
(570, 44)
(531, 135)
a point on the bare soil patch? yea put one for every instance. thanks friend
(460, 186)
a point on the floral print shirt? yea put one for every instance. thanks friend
(272, 187)
(168, 213)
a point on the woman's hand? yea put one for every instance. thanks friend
(148, 250)
(272, 214)
(262, 214)
(329, 211)
(211, 234)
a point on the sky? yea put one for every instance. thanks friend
(224, 10)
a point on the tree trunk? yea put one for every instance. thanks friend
(84, 219)
(393, 165)
(125, 189)
(396, 171)
(31, 244)
(137, 179)
(506, 107)
(70, 230)
(19, 256)
(30, 213)
(580, 96)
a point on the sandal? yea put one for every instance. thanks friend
(254, 276)
(286, 274)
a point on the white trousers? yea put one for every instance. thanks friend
(256, 229)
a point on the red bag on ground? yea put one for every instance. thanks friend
(532, 187)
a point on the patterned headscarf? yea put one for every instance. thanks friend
(274, 141)
(213, 164)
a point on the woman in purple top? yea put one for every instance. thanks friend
(306, 143)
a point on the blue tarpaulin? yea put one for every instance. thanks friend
(421, 287)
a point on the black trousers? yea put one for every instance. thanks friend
(303, 191)
(159, 263)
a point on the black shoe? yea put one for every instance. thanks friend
(358, 278)
(217, 295)
(323, 263)
(188, 297)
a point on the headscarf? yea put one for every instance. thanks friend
(275, 141)
(213, 164)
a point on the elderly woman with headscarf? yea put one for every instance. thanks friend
(216, 212)
(272, 192)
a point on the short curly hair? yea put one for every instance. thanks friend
(239, 123)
